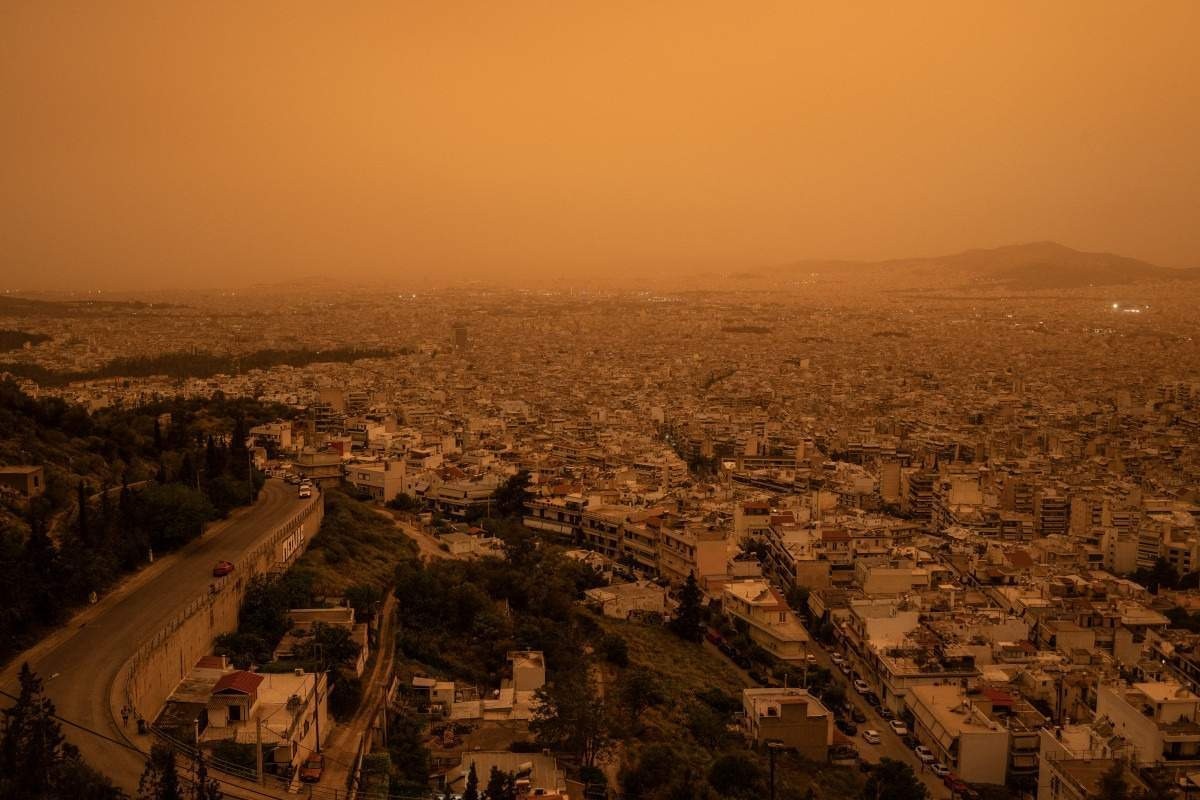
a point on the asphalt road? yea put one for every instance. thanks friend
(890, 745)
(79, 662)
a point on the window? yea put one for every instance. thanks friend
(235, 712)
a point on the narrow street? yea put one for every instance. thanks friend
(890, 745)
(342, 746)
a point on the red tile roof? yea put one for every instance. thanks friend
(239, 681)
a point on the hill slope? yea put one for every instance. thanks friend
(1038, 265)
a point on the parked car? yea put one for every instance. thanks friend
(924, 753)
(810, 659)
(872, 699)
(846, 726)
(857, 715)
(836, 658)
(222, 568)
(939, 769)
(887, 714)
(713, 636)
(899, 727)
(757, 677)
(314, 765)
(844, 667)
(861, 686)
(870, 736)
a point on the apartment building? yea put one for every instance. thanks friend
(791, 717)
(770, 622)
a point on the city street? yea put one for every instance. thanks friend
(79, 662)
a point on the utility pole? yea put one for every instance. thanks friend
(258, 747)
(772, 749)
(384, 707)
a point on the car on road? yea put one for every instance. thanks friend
(960, 787)
(313, 767)
(836, 658)
(857, 715)
(305, 491)
(844, 667)
(899, 727)
(861, 686)
(714, 637)
(924, 753)
(872, 699)
(222, 568)
(887, 714)
(810, 659)
(846, 726)
(871, 736)
(939, 769)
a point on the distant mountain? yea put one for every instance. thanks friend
(1039, 265)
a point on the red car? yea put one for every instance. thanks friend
(222, 569)
(314, 765)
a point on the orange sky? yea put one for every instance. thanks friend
(164, 144)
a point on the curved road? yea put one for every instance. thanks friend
(80, 661)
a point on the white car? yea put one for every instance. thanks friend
(899, 727)
(871, 736)
(925, 754)
(939, 769)
(861, 686)
(305, 491)
(836, 658)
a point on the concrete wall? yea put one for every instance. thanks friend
(162, 661)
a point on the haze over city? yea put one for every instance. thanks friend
(599, 401)
(185, 145)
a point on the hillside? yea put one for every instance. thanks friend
(1038, 265)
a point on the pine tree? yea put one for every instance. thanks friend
(687, 623)
(32, 746)
(158, 437)
(206, 788)
(85, 534)
(161, 476)
(471, 792)
(160, 779)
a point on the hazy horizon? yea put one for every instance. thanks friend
(168, 146)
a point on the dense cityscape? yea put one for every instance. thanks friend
(805, 539)
(682, 400)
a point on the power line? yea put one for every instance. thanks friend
(179, 747)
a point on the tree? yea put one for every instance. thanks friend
(1113, 785)
(735, 775)
(160, 780)
(363, 598)
(205, 788)
(570, 716)
(471, 792)
(85, 533)
(688, 623)
(36, 762)
(500, 786)
(615, 649)
(894, 780)
(510, 498)
(657, 766)
(639, 690)
(32, 743)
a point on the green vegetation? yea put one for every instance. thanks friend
(15, 340)
(119, 484)
(194, 365)
(356, 547)
(894, 780)
(36, 762)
